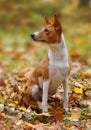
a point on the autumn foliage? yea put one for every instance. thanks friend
(19, 55)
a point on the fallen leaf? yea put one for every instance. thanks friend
(28, 126)
(59, 114)
(75, 114)
(73, 128)
(1, 107)
(78, 90)
(22, 108)
(54, 126)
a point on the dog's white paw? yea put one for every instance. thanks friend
(44, 108)
(65, 106)
(66, 109)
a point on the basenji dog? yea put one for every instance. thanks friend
(53, 70)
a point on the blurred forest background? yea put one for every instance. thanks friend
(18, 52)
(20, 18)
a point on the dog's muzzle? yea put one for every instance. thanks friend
(32, 35)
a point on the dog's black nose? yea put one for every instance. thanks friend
(32, 35)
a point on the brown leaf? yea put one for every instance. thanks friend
(2, 79)
(59, 114)
(16, 89)
(20, 74)
(25, 100)
(28, 126)
(54, 126)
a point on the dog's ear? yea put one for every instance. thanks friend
(56, 21)
(47, 20)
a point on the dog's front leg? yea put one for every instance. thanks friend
(45, 95)
(65, 85)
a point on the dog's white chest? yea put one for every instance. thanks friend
(58, 66)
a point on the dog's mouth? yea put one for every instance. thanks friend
(38, 40)
(35, 39)
(42, 40)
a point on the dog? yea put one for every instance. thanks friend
(53, 70)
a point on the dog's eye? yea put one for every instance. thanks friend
(46, 30)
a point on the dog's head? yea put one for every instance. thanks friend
(51, 33)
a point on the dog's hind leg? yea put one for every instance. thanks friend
(36, 93)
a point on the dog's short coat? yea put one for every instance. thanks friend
(53, 69)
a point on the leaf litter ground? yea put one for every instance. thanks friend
(16, 112)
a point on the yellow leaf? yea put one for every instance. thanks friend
(28, 126)
(22, 109)
(42, 114)
(78, 90)
(16, 102)
(1, 99)
(74, 117)
(76, 110)
(75, 114)
(73, 53)
(37, 122)
(71, 128)
(11, 104)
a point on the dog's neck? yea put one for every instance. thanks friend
(58, 53)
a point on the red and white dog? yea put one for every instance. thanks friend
(53, 70)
